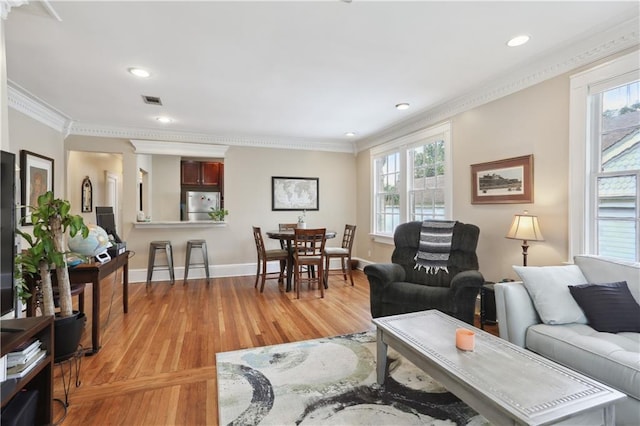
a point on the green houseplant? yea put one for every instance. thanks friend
(51, 219)
(218, 214)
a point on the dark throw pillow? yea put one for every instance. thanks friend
(608, 307)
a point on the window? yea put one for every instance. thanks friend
(387, 196)
(606, 101)
(426, 181)
(411, 180)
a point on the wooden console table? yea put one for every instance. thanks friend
(93, 273)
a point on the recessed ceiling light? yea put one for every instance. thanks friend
(164, 120)
(350, 134)
(139, 72)
(402, 106)
(518, 40)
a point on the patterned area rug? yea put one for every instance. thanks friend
(331, 381)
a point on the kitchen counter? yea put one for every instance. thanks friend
(180, 224)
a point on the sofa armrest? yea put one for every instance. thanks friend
(380, 276)
(515, 311)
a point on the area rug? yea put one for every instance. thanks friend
(331, 381)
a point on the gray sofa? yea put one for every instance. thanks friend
(611, 358)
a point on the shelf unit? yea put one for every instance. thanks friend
(22, 330)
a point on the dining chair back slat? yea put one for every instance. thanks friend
(343, 253)
(265, 256)
(308, 250)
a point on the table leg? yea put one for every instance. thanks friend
(125, 284)
(381, 361)
(610, 415)
(95, 315)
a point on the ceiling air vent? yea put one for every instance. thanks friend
(151, 100)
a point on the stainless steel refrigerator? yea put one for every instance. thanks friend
(199, 204)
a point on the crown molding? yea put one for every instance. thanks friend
(606, 43)
(98, 130)
(6, 5)
(179, 148)
(22, 101)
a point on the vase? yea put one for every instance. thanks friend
(302, 225)
(67, 334)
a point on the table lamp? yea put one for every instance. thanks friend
(525, 227)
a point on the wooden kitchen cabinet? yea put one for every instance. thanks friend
(200, 173)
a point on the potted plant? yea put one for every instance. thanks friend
(46, 251)
(218, 214)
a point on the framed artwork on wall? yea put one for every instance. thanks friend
(294, 193)
(87, 195)
(36, 175)
(503, 181)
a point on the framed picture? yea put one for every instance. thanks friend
(294, 193)
(36, 174)
(503, 181)
(87, 195)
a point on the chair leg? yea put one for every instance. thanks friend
(257, 273)
(350, 269)
(170, 263)
(186, 263)
(321, 283)
(150, 263)
(296, 282)
(264, 275)
(344, 270)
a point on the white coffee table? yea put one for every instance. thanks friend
(504, 382)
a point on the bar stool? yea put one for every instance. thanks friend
(202, 245)
(153, 247)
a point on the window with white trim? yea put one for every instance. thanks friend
(411, 179)
(606, 101)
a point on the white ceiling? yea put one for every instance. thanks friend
(302, 72)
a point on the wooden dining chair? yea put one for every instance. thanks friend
(343, 253)
(265, 256)
(308, 251)
(286, 227)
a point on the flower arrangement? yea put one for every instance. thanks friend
(302, 217)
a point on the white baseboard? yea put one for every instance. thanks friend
(215, 271)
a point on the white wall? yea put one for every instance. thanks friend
(165, 187)
(248, 173)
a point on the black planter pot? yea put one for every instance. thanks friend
(67, 334)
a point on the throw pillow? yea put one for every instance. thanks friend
(548, 287)
(609, 307)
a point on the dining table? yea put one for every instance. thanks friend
(287, 237)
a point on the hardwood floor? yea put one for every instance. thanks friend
(157, 363)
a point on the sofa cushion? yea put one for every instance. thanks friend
(598, 269)
(548, 287)
(613, 359)
(608, 307)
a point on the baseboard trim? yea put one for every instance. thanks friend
(216, 271)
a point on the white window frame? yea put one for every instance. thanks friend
(582, 191)
(403, 145)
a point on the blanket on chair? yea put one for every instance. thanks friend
(435, 245)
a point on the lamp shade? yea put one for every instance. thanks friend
(525, 227)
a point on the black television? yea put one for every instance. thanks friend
(7, 230)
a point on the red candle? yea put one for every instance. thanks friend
(465, 339)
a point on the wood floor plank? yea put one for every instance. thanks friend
(157, 364)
